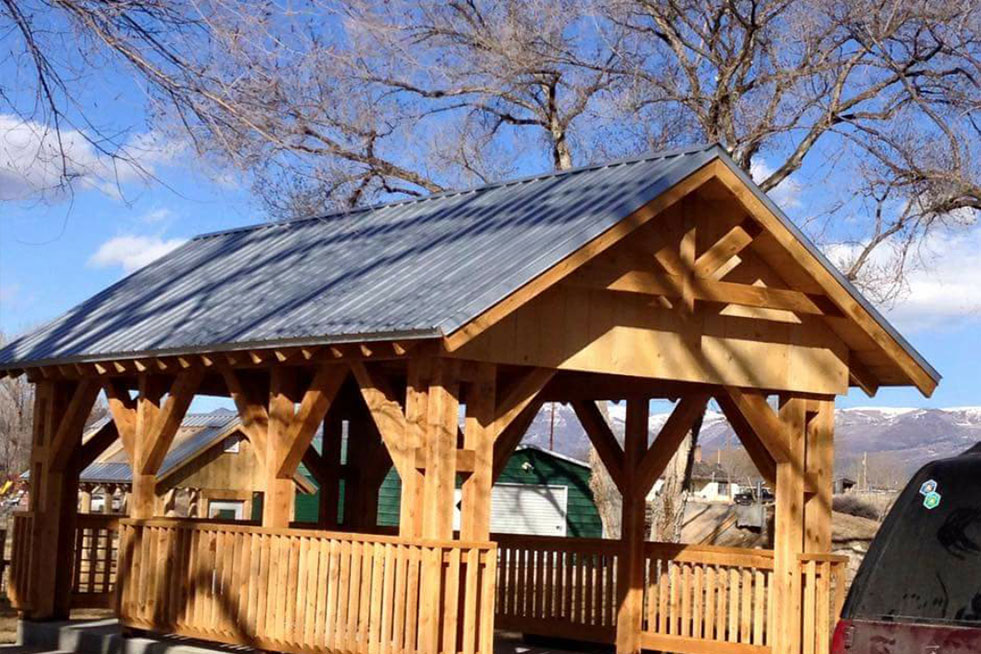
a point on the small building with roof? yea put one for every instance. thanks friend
(670, 276)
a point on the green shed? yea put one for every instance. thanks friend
(539, 492)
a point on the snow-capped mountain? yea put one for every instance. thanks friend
(903, 438)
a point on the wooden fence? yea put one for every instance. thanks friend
(697, 598)
(824, 586)
(96, 554)
(306, 591)
(707, 599)
(300, 590)
(557, 586)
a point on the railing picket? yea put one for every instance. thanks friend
(745, 624)
(710, 587)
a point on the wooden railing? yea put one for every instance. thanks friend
(707, 599)
(697, 598)
(304, 590)
(20, 561)
(96, 554)
(823, 587)
(557, 586)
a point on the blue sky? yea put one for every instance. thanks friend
(56, 250)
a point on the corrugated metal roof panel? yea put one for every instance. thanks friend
(419, 268)
(415, 268)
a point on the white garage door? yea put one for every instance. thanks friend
(525, 509)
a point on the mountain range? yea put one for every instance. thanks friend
(894, 442)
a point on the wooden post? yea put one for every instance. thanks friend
(144, 493)
(819, 468)
(60, 411)
(788, 540)
(277, 504)
(85, 499)
(416, 416)
(478, 436)
(631, 570)
(440, 450)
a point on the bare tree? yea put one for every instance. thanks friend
(344, 102)
(671, 501)
(16, 420)
(887, 91)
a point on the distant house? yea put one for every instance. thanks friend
(210, 471)
(843, 485)
(709, 482)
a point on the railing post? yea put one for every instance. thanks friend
(630, 581)
(788, 541)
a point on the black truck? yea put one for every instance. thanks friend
(918, 590)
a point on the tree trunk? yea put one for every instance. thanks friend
(668, 507)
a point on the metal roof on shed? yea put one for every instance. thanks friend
(199, 431)
(412, 269)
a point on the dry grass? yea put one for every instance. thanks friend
(873, 506)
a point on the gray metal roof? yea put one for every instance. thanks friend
(210, 427)
(411, 269)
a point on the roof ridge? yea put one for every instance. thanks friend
(651, 156)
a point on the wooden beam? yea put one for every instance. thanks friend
(761, 457)
(788, 538)
(861, 376)
(835, 290)
(602, 438)
(511, 436)
(279, 493)
(252, 410)
(122, 407)
(819, 465)
(313, 407)
(672, 433)
(388, 416)
(687, 254)
(71, 423)
(572, 262)
(521, 393)
(762, 420)
(440, 445)
(317, 466)
(463, 459)
(97, 444)
(731, 244)
(710, 290)
(169, 420)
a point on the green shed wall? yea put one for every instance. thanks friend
(582, 520)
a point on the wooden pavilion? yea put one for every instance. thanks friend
(671, 276)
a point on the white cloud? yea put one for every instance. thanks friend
(943, 282)
(36, 164)
(786, 194)
(132, 252)
(156, 216)
(945, 287)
